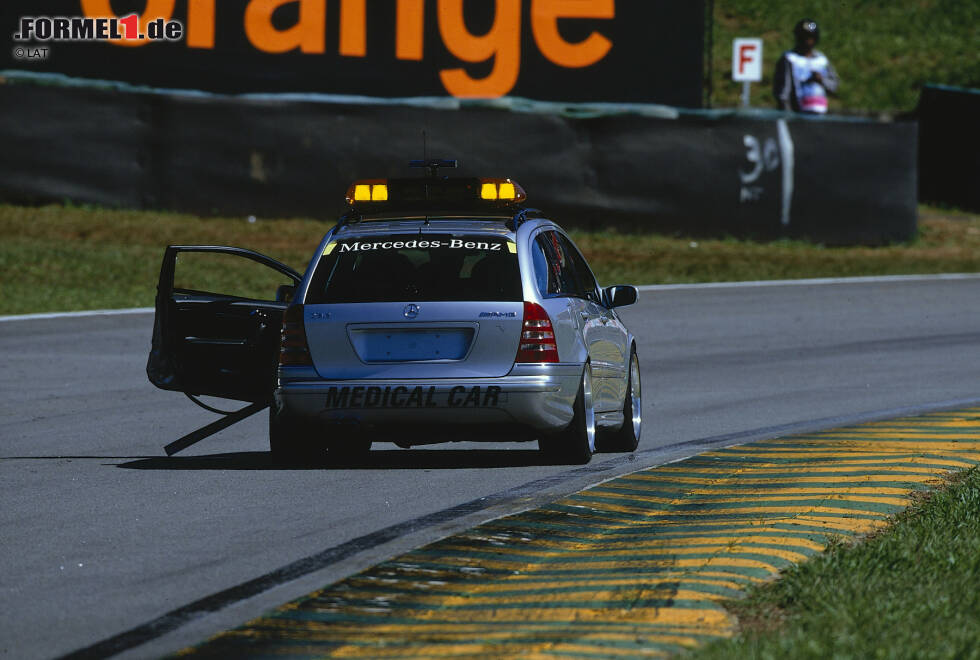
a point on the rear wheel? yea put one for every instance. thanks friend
(628, 436)
(290, 438)
(576, 443)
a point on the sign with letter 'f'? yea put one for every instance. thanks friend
(747, 60)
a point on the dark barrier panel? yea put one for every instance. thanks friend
(855, 183)
(949, 146)
(647, 51)
(832, 181)
(836, 182)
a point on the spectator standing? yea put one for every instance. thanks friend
(804, 76)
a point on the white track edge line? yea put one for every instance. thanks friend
(68, 315)
(883, 279)
(873, 279)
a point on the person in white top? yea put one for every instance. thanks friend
(804, 76)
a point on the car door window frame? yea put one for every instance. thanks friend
(168, 271)
(585, 286)
(586, 283)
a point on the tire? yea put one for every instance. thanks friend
(289, 438)
(575, 444)
(627, 437)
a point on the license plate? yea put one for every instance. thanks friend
(374, 346)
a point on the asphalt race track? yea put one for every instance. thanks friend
(108, 545)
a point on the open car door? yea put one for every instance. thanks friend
(218, 321)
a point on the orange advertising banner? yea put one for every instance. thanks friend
(646, 51)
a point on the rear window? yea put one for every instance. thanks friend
(416, 268)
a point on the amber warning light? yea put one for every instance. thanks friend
(368, 191)
(502, 189)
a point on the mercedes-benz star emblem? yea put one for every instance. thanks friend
(411, 311)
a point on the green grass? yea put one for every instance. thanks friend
(55, 258)
(911, 591)
(884, 50)
(943, 246)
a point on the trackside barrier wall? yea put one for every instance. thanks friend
(949, 152)
(638, 167)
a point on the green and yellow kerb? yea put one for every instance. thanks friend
(633, 567)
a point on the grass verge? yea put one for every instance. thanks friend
(910, 591)
(884, 50)
(63, 258)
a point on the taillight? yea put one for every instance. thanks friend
(294, 350)
(537, 336)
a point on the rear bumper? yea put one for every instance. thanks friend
(538, 397)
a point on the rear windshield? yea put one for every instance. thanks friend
(414, 267)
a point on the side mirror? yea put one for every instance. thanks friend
(619, 295)
(285, 293)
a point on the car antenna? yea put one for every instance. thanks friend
(425, 157)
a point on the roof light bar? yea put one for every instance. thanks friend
(432, 192)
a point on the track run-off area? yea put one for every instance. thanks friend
(110, 547)
(634, 566)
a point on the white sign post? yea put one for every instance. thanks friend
(746, 64)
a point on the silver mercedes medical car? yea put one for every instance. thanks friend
(438, 309)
